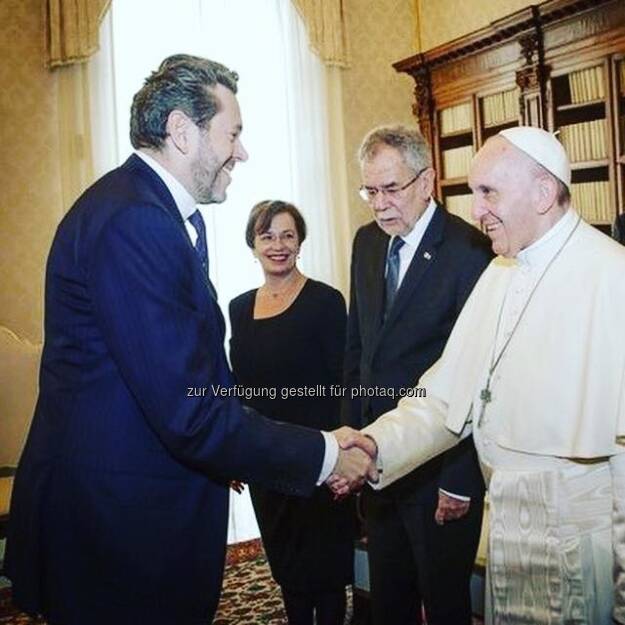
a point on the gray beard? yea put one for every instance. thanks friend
(203, 183)
(205, 171)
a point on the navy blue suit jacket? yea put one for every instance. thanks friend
(120, 504)
(395, 352)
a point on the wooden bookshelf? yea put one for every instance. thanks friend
(585, 107)
(456, 137)
(460, 205)
(456, 142)
(580, 109)
(559, 65)
(497, 111)
(451, 183)
(590, 164)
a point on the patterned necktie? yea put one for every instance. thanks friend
(197, 221)
(392, 273)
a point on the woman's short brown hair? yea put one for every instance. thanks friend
(262, 215)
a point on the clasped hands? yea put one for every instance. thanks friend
(356, 462)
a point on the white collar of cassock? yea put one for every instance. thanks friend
(539, 253)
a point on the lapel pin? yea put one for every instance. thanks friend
(427, 256)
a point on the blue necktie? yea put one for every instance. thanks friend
(197, 221)
(392, 273)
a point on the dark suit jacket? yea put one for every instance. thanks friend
(394, 353)
(119, 511)
(618, 228)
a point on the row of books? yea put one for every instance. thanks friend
(460, 205)
(500, 107)
(585, 141)
(456, 118)
(456, 162)
(587, 85)
(592, 201)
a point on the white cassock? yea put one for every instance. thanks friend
(549, 440)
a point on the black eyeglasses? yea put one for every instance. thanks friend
(368, 194)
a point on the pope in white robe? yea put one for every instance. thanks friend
(535, 370)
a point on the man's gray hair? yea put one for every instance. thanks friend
(409, 142)
(182, 82)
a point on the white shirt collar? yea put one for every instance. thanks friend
(413, 238)
(184, 200)
(541, 251)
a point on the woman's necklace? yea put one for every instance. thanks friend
(286, 292)
(291, 285)
(485, 394)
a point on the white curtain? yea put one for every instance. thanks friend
(105, 149)
(283, 91)
(283, 99)
(306, 95)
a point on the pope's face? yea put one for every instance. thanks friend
(504, 187)
(218, 149)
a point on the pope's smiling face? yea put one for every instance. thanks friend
(504, 190)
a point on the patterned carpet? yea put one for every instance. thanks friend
(249, 594)
(9, 615)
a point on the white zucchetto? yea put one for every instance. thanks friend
(543, 147)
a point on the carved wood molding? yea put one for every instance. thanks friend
(512, 47)
(531, 20)
(532, 78)
(423, 103)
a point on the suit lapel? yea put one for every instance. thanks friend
(422, 260)
(162, 196)
(166, 201)
(375, 277)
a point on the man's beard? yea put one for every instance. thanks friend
(205, 172)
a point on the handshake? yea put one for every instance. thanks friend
(356, 462)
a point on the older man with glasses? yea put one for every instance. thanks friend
(413, 267)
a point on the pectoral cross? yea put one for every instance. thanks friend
(486, 396)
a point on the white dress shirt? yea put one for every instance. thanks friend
(412, 241)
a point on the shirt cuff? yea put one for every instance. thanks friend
(453, 495)
(330, 457)
(378, 462)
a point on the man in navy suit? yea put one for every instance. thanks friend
(120, 504)
(412, 270)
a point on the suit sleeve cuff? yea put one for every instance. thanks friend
(329, 458)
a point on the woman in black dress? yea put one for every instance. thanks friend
(287, 342)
